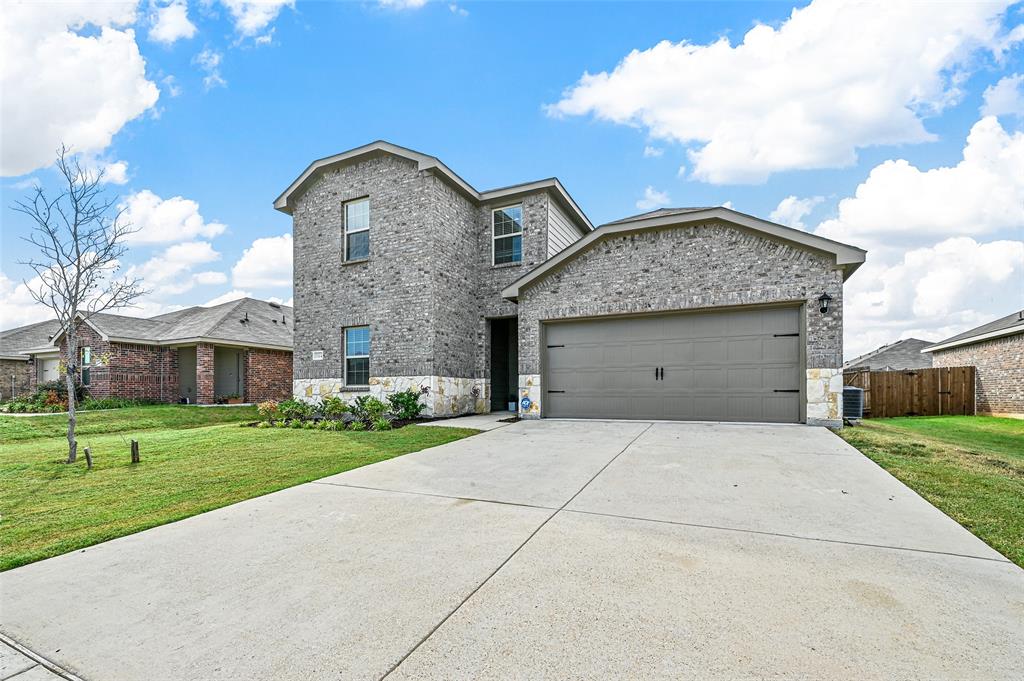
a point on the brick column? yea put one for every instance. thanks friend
(204, 373)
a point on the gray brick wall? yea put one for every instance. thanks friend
(392, 291)
(686, 268)
(428, 285)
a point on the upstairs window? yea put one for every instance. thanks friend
(357, 230)
(507, 227)
(357, 355)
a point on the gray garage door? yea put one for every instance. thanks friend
(739, 365)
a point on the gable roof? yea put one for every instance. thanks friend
(245, 321)
(903, 354)
(284, 204)
(849, 258)
(13, 342)
(1009, 325)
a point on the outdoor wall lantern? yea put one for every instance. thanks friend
(823, 300)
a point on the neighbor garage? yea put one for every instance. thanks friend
(732, 365)
(686, 314)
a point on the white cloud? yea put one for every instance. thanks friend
(806, 94)
(45, 64)
(653, 152)
(251, 17)
(265, 264)
(1005, 98)
(114, 172)
(653, 199)
(171, 271)
(455, 9)
(17, 307)
(791, 210)
(932, 292)
(166, 220)
(899, 205)
(403, 4)
(209, 61)
(233, 294)
(170, 23)
(171, 85)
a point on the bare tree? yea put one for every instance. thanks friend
(80, 237)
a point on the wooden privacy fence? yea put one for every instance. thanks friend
(915, 392)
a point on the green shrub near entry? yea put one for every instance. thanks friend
(406, 405)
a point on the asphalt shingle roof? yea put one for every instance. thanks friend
(660, 212)
(1009, 321)
(13, 341)
(244, 321)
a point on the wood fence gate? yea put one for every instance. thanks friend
(915, 392)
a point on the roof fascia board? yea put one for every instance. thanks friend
(551, 184)
(434, 164)
(20, 357)
(205, 339)
(847, 257)
(1009, 331)
(42, 350)
(423, 162)
(88, 322)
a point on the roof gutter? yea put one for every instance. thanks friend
(1010, 331)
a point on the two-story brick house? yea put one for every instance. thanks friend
(407, 276)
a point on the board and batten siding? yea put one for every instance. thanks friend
(562, 233)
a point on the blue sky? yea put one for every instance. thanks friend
(223, 103)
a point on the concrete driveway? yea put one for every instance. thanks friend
(552, 549)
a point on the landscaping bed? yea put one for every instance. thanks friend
(192, 460)
(970, 467)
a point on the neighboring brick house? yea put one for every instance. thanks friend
(407, 276)
(199, 354)
(996, 350)
(903, 354)
(17, 370)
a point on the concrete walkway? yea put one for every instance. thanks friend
(549, 549)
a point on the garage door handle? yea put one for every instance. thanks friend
(785, 335)
(786, 391)
(555, 346)
(556, 391)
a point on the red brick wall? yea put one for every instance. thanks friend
(135, 372)
(15, 377)
(204, 374)
(99, 373)
(268, 375)
(1000, 372)
(143, 372)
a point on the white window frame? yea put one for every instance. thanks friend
(495, 238)
(345, 231)
(85, 355)
(346, 356)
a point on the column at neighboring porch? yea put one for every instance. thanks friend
(204, 374)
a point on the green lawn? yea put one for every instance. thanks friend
(188, 467)
(970, 467)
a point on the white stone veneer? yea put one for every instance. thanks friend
(529, 386)
(441, 395)
(825, 397)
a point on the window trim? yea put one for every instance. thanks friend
(345, 231)
(82, 352)
(345, 356)
(494, 238)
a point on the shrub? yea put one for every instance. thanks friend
(406, 405)
(268, 410)
(357, 425)
(367, 408)
(381, 423)
(333, 407)
(295, 423)
(264, 424)
(331, 424)
(295, 410)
